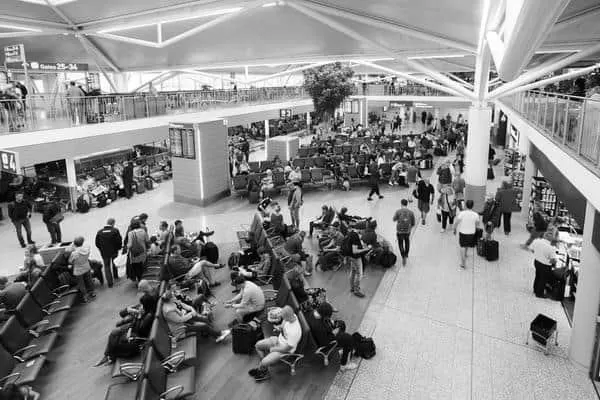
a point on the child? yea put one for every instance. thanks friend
(154, 246)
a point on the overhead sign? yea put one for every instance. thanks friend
(9, 162)
(14, 53)
(398, 104)
(41, 66)
(285, 113)
(93, 81)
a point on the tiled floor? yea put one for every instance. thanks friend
(441, 332)
(446, 333)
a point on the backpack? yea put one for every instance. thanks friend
(388, 259)
(365, 347)
(234, 259)
(136, 247)
(82, 205)
(403, 225)
(211, 252)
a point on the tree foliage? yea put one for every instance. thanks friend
(328, 85)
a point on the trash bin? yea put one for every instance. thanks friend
(542, 329)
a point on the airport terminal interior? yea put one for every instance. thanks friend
(300, 199)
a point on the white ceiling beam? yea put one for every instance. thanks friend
(125, 39)
(593, 11)
(159, 37)
(38, 23)
(484, 57)
(286, 72)
(389, 25)
(94, 57)
(213, 76)
(409, 77)
(6, 35)
(359, 37)
(545, 69)
(99, 52)
(456, 78)
(554, 79)
(157, 79)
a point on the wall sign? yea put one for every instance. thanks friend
(14, 53)
(44, 66)
(182, 142)
(9, 162)
(285, 113)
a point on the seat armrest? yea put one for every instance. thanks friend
(22, 350)
(131, 370)
(175, 391)
(8, 378)
(172, 362)
(39, 324)
(60, 289)
(47, 306)
(63, 308)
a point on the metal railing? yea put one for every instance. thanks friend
(39, 112)
(571, 121)
(397, 90)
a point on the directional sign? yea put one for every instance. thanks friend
(14, 53)
(42, 66)
(9, 162)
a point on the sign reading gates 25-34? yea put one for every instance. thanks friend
(9, 162)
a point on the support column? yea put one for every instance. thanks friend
(267, 135)
(530, 172)
(588, 298)
(476, 155)
(121, 81)
(71, 181)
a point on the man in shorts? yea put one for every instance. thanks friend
(466, 223)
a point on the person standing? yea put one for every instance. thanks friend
(108, 241)
(466, 224)
(544, 254)
(424, 194)
(79, 259)
(128, 179)
(458, 185)
(405, 222)
(412, 174)
(295, 203)
(19, 212)
(506, 198)
(374, 179)
(137, 248)
(52, 217)
(75, 98)
(356, 250)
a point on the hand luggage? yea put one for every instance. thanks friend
(149, 183)
(491, 250)
(481, 248)
(490, 174)
(113, 195)
(244, 337)
(211, 252)
(388, 259)
(139, 187)
(253, 197)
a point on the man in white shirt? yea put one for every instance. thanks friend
(466, 223)
(272, 349)
(249, 303)
(544, 257)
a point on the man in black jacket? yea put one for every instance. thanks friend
(108, 241)
(19, 212)
(52, 218)
(128, 179)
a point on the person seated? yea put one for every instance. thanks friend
(13, 391)
(201, 269)
(398, 170)
(308, 298)
(136, 324)
(11, 294)
(33, 266)
(331, 239)
(163, 234)
(295, 175)
(182, 318)
(275, 220)
(272, 349)
(243, 167)
(267, 184)
(248, 303)
(154, 249)
(323, 221)
(254, 271)
(177, 266)
(293, 246)
(264, 206)
(324, 330)
(187, 247)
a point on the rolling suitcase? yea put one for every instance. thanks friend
(149, 183)
(490, 174)
(491, 250)
(140, 187)
(244, 337)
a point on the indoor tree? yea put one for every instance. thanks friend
(328, 85)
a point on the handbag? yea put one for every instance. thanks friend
(438, 213)
(120, 261)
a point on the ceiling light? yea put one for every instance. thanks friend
(166, 21)
(273, 4)
(20, 28)
(52, 2)
(436, 56)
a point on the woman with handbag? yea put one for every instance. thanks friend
(447, 205)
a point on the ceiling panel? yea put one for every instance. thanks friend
(17, 8)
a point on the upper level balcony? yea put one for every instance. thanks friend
(572, 123)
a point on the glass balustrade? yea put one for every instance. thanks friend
(51, 111)
(571, 121)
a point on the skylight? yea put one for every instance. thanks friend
(52, 2)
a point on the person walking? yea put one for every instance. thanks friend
(52, 217)
(458, 185)
(79, 259)
(405, 223)
(19, 212)
(539, 226)
(506, 198)
(374, 179)
(447, 204)
(295, 202)
(128, 179)
(137, 248)
(109, 242)
(424, 194)
(412, 175)
(466, 223)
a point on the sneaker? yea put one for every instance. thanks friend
(223, 336)
(404, 261)
(348, 366)
(422, 222)
(93, 295)
(380, 196)
(23, 245)
(524, 247)
(462, 266)
(442, 230)
(220, 266)
(308, 274)
(369, 199)
(358, 293)
(253, 372)
(235, 291)
(262, 375)
(390, 183)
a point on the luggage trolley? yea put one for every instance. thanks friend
(542, 329)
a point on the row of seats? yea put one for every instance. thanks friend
(31, 332)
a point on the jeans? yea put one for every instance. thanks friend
(403, 243)
(85, 284)
(109, 269)
(542, 276)
(23, 223)
(295, 215)
(356, 268)
(128, 188)
(55, 233)
(445, 218)
(506, 219)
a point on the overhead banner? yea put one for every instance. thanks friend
(14, 54)
(42, 66)
(399, 104)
